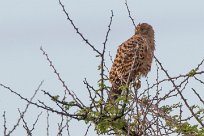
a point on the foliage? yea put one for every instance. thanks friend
(136, 112)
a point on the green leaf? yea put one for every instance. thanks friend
(192, 73)
(55, 98)
(99, 67)
(68, 105)
(123, 87)
(121, 98)
(103, 126)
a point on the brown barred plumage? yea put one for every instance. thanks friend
(133, 58)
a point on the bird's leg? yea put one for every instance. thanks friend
(137, 83)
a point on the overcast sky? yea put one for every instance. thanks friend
(25, 25)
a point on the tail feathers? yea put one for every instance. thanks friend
(114, 92)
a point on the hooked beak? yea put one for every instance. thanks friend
(136, 33)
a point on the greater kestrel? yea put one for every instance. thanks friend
(133, 59)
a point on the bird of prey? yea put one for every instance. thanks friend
(133, 59)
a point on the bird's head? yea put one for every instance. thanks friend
(144, 29)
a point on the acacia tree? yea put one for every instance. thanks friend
(136, 112)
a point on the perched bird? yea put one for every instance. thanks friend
(133, 59)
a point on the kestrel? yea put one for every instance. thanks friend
(133, 59)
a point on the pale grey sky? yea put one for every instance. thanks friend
(25, 25)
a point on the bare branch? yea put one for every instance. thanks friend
(5, 128)
(77, 29)
(126, 4)
(103, 59)
(179, 92)
(48, 124)
(25, 110)
(74, 97)
(87, 130)
(199, 97)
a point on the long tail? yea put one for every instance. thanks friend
(114, 93)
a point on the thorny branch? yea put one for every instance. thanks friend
(179, 92)
(5, 128)
(25, 110)
(197, 94)
(141, 112)
(126, 4)
(87, 130)
(103, 60)
(74, 97)
(25, 126)
(77, 29)
(48, 123)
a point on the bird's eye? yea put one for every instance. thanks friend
(143, 30)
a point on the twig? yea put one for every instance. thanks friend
(40, 106)
(77, 29)
(129, 13)
(48, 124)
(74, 97)
(67, 125)
(103, 60)
(25, 110)
(29, 131)
(5, 128)
(87, 130)
(198, 95)
(34, 124)
(181, 95)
